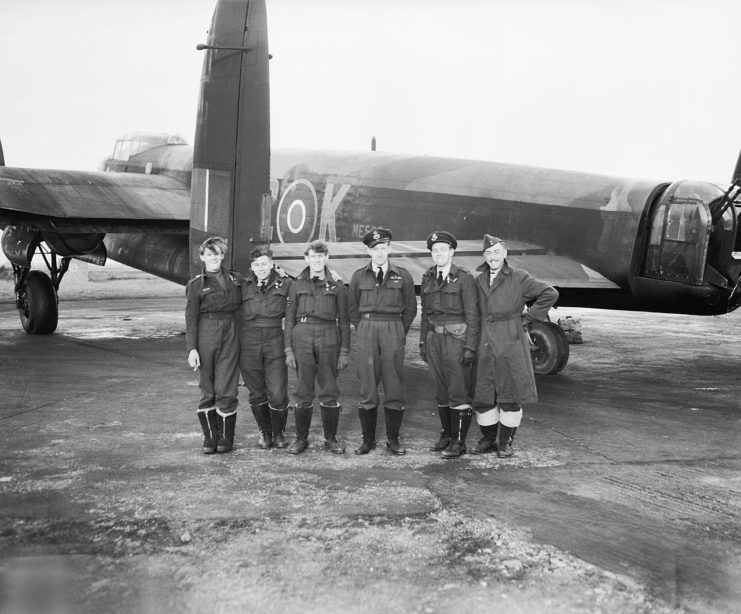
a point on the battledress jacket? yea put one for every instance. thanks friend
(319, 302)
(204, 294)
(505, 368)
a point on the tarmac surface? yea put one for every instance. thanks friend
(624, 494)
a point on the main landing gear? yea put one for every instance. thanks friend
(36, 293)
(549, 348)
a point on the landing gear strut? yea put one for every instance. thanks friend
(36, 294)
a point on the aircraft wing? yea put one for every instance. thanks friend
(414, 256)
(82, 202)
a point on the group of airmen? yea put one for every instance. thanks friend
(473, 337)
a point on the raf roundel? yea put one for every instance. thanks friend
(298, 212)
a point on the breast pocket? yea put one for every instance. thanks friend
(394, 293)
(367, 294)
(304, 302)
(276, 302)
(327, 303)
(451, 297)
(250, 305)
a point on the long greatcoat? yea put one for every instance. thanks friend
(505, 369)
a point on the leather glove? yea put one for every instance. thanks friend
(290, 358)
(422, 352)
(344, 360)
(468, 356)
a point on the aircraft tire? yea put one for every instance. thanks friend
(39, 311)
(550, 351)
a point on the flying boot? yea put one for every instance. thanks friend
(330, 422)
(261, 413)
(278, 419)
(302, 414)
(394, 418)
(368, 421)
(227, 424)
(445, 434)
(461, 420)
(488, 441)
(210, 426)
(506, 436)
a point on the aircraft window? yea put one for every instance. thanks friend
(728, 219)
(680, 257)
(136, 143)
(123, 150)
(657, 227)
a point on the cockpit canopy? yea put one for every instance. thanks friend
(135, 143)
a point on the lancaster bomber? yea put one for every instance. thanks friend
(602, 241)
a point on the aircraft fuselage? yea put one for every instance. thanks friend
(652, 243)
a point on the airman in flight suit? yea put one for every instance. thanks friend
(382, 306)
(448, 338)
(317, 341)
(262, 358)
(212, 300)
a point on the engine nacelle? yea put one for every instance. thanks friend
(74, 244)
(20, 244)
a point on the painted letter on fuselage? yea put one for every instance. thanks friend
(327, 227)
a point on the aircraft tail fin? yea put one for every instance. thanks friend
(2, 156)
(231, 159)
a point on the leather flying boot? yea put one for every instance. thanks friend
(460, 430)
(368, 421)
(278, 419)
(226, 431)
(330, 422)
(445, 434)
(261, 413)
(506, 433)
(303, 414)
(393, 425)
(210, 427)
(488, 443)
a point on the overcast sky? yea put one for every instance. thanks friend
(637, 88)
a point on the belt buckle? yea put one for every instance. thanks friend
(302, 319)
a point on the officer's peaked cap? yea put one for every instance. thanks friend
(376, 235)
(441, 236)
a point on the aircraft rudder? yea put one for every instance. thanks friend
(231, 161)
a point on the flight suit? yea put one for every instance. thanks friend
(504, 376)
(450, 324)
(262, 357)
(317, 331)
(382, 314)
(211, 304)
